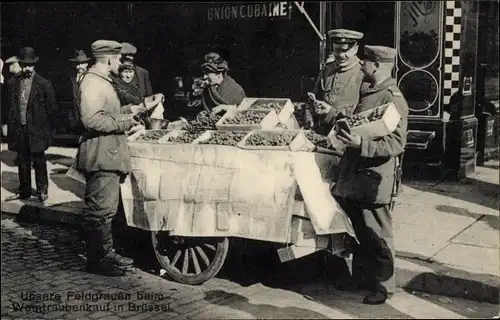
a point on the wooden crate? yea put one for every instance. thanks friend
(138, 134)
(299, 142)
(378, 128)
(270, 121)
(208, 134)
(283, 115)
(173, 133)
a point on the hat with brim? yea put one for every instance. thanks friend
(27, 55)
(345, 36)
(13, 59)
(127, 64)
(80, 57)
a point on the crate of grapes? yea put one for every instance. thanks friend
(284, 107)
(373, 123)
(222, 138)
(148, 136)
(179, 137)
(247, 120)
(286, 140)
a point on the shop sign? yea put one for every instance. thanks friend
(243, 11)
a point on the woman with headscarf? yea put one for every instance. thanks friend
(221, 90)
(130, 94)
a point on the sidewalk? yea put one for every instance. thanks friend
(446, 233)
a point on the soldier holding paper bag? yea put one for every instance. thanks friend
(367, 179)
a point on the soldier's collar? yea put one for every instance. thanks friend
(381, 86)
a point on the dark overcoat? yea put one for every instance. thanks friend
(40, 114)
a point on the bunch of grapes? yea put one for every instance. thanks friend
(268, 140)
(314, 137)
(225, 138)
(357, 120)
(268, 106)
(247, 117)
(152, 135)
(203, 122)
(186, 137)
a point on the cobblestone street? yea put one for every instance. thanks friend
(43, 277)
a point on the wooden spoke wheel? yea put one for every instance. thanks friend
(190, 260)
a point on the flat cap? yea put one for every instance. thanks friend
(104, 47)
(127, 48)
(380, 53)
(345, 36)
(13, 59)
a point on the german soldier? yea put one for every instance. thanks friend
(367, 179)
(338, 83)
(103, 156)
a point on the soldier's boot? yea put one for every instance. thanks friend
(105, 268)
(117, 259)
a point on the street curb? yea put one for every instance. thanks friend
(412, 274)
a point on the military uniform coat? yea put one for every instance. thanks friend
(104, 146)
(40, 114)
(340, 89)
(367, 175)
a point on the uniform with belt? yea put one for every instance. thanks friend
(104, 159)
(367, 177)
(339, 86)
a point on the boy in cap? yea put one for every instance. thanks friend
(366, 195)
(141, 77)
(337, 86)
(103, 156)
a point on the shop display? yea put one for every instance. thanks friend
(223, 138)
(151, 135)
(246, 117)
(317, 139)
(270, 139)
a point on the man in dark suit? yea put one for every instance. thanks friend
(141, 78)
(32, 108)
(80, 63)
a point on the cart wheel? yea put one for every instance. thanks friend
(190, 260)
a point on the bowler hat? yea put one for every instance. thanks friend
(27, 55)
(80, 57)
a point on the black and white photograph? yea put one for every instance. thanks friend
(250, 160)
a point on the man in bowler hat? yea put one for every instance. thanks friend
(141, 78)
(338, 83)
(103, 156)
(80, 63)
(368, 179)
(32, 108)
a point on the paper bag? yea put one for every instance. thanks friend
(158, 111)
(74, 173)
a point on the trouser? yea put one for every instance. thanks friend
(373, 258)
(102, 196)
(24, 159)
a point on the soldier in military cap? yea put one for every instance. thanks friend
(103, 156)
(368, 179)
(141, 78)
(338, 83)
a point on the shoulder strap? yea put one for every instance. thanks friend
(395, 92)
